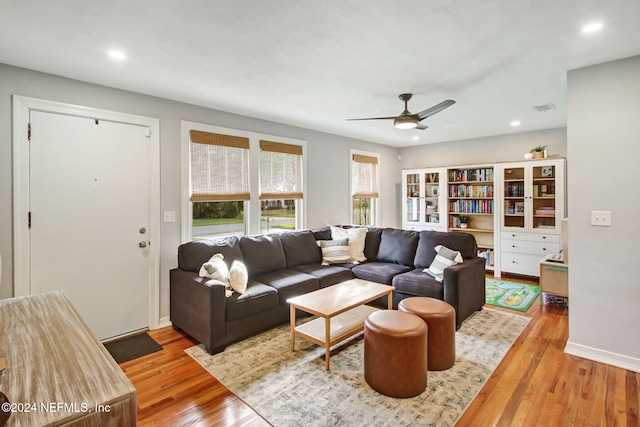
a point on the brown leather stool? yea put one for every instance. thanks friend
(441, 319)
(395, 353)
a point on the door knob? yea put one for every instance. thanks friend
(142, 244)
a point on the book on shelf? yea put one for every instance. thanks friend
(476, 174)
(546, 210)
(471, 206)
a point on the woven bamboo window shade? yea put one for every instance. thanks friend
(365, 176)
(219, 167)
(280, 171)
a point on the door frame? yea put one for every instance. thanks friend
(21, 245)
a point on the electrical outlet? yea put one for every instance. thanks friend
(169, 216)
(601, 218)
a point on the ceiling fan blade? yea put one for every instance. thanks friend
(421, 126)
(435, 109)
(377, 118)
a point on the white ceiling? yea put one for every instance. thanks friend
(315, 63)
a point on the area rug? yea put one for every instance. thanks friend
(294, 389)
(132, 347)
(512, 295)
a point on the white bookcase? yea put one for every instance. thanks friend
(513, 209)
(424, 199)
(532, 206)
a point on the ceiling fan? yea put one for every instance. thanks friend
(406, 120)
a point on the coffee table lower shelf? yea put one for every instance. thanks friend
(329, 331)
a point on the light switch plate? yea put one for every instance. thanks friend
(601, 218)
(169, 216)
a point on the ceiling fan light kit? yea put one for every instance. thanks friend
(407, 120)
(405, 123)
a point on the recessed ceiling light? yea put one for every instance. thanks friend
(117, 55)
(592, 27)
(416, 138)
(515, 123)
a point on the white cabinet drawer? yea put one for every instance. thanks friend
(532, 237)
(520, 263)
(428, 227)
(527, 247)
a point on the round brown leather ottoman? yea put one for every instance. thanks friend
(441, 319)
(395, 353)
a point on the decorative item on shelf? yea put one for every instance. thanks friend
(539, 152)
(464, 221)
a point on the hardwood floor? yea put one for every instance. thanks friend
(535, 385)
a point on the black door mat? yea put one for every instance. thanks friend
(132, 347)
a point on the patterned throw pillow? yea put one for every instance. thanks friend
(356, 236)
(445, 258)
(238, 276)
(215, 268)
(335, 251)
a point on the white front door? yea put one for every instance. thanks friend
(89, 203)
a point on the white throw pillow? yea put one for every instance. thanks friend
(215, 268)
(335, 251)
(238, 276)
(445, 257)
(356, 236)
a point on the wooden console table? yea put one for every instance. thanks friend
(57, 372)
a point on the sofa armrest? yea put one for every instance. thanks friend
(464, 287)
(197, 306)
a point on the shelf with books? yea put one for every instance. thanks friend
(471, 193)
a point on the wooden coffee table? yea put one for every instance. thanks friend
(341, 312)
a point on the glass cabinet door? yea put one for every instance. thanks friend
(514, 197)
(544, 197)
(413, 197)
(432, 197)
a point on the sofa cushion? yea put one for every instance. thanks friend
(300, 248)
(322, 233)
(327, 274)
(372, 243)
(262, 254)
(192, 255)
(398, 246)
(289, 283)
(380, 272)
(465, 243)
(257, 297)
(418, 283)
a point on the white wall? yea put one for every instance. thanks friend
(603, 129)
(328, 159)
(484, 150)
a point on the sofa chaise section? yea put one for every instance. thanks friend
(463, 285)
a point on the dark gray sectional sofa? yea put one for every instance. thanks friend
(282, 266)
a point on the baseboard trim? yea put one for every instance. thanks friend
(602, 356)
(163, 322)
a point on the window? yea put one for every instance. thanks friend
(364, 188)
(280, 186)
(219, 184)
(237, 182)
